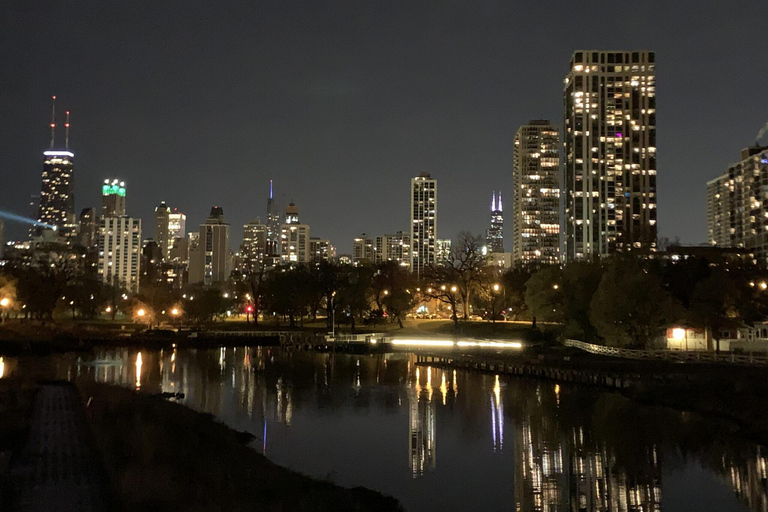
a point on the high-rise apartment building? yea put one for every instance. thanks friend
(254, 245)
(363, 249)
(112, 198)
(120, 251)
(162, 231)
(737, 214)
(177, 226)
(210, 256)
(609, 153)
(320, 249)
(294, 237)
(89, 227)
(394, 247)
(494, 236)
(443, 248)
(536, 194)
(423, 201)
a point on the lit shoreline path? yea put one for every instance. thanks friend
(59, 470)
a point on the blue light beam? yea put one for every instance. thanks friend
(24, 220)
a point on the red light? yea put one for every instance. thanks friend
(53, 125)
(54, 97)
(249, 309)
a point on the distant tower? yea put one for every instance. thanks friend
(57, 194)
(254, 245)
(162, 232)
(294, 237)
(89, 227)
(177, 228)
(210, 257)
(273, 224)
(494, 236)
(113, 198)
(423, 201)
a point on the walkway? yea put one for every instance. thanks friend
(58, 470)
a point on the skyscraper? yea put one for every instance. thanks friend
(736, 213)
(210, 258)
(364, 249)
(273, 225)
(89, 227)
(610, 153)
(162, 230)
(423, 201)
(57, 194)
(494, 236)
(536, 195)
(294, 237)
(177, 226)
(394, 247)
(254, 244)
(112, 198)
(320, 249)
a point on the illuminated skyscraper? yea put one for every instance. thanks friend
(162, 232)
(320, 249)
(536, 195)
(294, 237)
(423, 201)
(57, 194)
(395, 247)
(494, 236)
(273, 225)
(610, 153)
(363, 249)
(112, 198)
(254, 244)
(211, 257)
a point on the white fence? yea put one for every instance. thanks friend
(670, 355)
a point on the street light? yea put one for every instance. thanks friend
(141, 312)
(453, 289)
(496, 287)
(5, 302)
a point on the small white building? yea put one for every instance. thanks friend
(737, 337)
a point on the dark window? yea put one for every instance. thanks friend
(651, 57)
(578, 57)
(635, 57)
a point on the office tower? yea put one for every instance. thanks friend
(443, 250)
(162, 230)
(610, 153)
(536, 195)
(423, 202)
(320, 249)
(494, 236)
(119, 251)
(57, 195)
(210, 257)
(179, 253)
(294, 237)
(736, 212)
(177, 226)
(89, 228)
(394, 247)
(254, 245)
(363, 249)
(273, 225)
(112, 198)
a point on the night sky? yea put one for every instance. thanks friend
(341, 103)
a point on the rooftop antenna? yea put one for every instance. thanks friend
(270, 189)
(66, 132)
(53, 118)
(493, 201)
(500, 208)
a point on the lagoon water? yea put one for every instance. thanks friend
(447, 440)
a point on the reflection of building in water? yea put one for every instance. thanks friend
(556, 474)
(284, 405)
(422, 423)
(748, 476)
(497, 417)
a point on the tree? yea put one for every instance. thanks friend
(439, 284)
(630, 307)
(491, 295)
(394, 290)
(353, 296)
(544, 295)
(714, 303)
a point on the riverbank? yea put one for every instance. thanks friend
(160, 455)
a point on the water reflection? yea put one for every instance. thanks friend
(505, 444)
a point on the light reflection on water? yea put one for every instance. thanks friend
(505, 444)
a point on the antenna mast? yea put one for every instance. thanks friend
(66, 132)
(53, 118)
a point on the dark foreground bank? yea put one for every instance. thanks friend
(160, 455)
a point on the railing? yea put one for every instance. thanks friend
(670, 355)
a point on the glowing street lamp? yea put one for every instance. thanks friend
(496, 287)
(5, 303)
(453, 289)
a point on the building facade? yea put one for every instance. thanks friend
(212, 254)
(536, 194)
(494, 236)
(294, 238)
(112, 198)
(162, 231)
(89, 228)
(394, 247)
(254, 245)
(423, 201)
(320, 249)
(443, 250)
(119, 248)
(57, 195)
(609, 153)
(737, 205)
(363, 249)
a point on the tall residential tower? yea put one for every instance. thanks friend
(494, 236)
(536, 195)
(610, 153)
(423, 202)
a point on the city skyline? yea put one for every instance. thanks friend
(458, 134)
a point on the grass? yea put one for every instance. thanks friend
(162, 456)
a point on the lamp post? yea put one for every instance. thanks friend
(174, 314)
(333, 315)
(5, 302)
